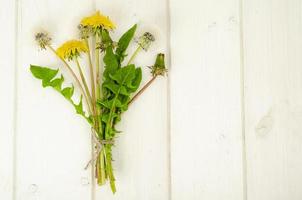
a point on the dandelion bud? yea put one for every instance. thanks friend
(145, 40)
(159, 67)
(42, 39)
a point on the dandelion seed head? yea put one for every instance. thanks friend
(43, 39)
(145, 40)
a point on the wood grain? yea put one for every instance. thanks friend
(7, 102)
(206, 156)
(273, 84)
(53, 144)
(218, 66)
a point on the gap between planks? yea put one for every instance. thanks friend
(15, 109)
(242, 99)
(168, 63)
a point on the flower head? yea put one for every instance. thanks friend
(84, 31)
(42, 39)
(98, 21)
(159, 67)
(71, 49)
(145, 40)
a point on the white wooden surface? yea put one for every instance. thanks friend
(226, 124)
(273, 83)
(7, 90)
(205, 100)
(52, 143)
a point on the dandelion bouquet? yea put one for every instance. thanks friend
(112, 88)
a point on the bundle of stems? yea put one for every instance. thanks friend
(112, 88)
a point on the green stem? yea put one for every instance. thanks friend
(98, 72)
(98, 83)
(98, 170)
(83, 79)
(108, 158)
(134, 54)
(110, 169)
(101, 164)
(142, 90)
(102, 171)
(93, 93)
(75, 77)
(91, 75)
(110, 115)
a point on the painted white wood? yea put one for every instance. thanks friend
(206, 153)
(7, 73)
(141, 152)
(273, 85)
(52, 144)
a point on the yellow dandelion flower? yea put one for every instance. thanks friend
(98, 20)
(71, 49)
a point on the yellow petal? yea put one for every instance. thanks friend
(98, 20)
(71, 48)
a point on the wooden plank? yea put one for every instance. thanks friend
(7, 80)
(141, 152)
(273, 49)
(206, 140)
(53, 143)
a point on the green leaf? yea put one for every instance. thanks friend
(67, 92)
(110, 59)
(79, 107)
(136, 81)
(57, 83)
(124, 91)
(124, 99)
(43, 73)
(110, 103)
(47, 76)
(111, 62)
(119, 82)
(123, 43)
(110, 85)
(105, 117)
(125, 75)
(106, 39)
